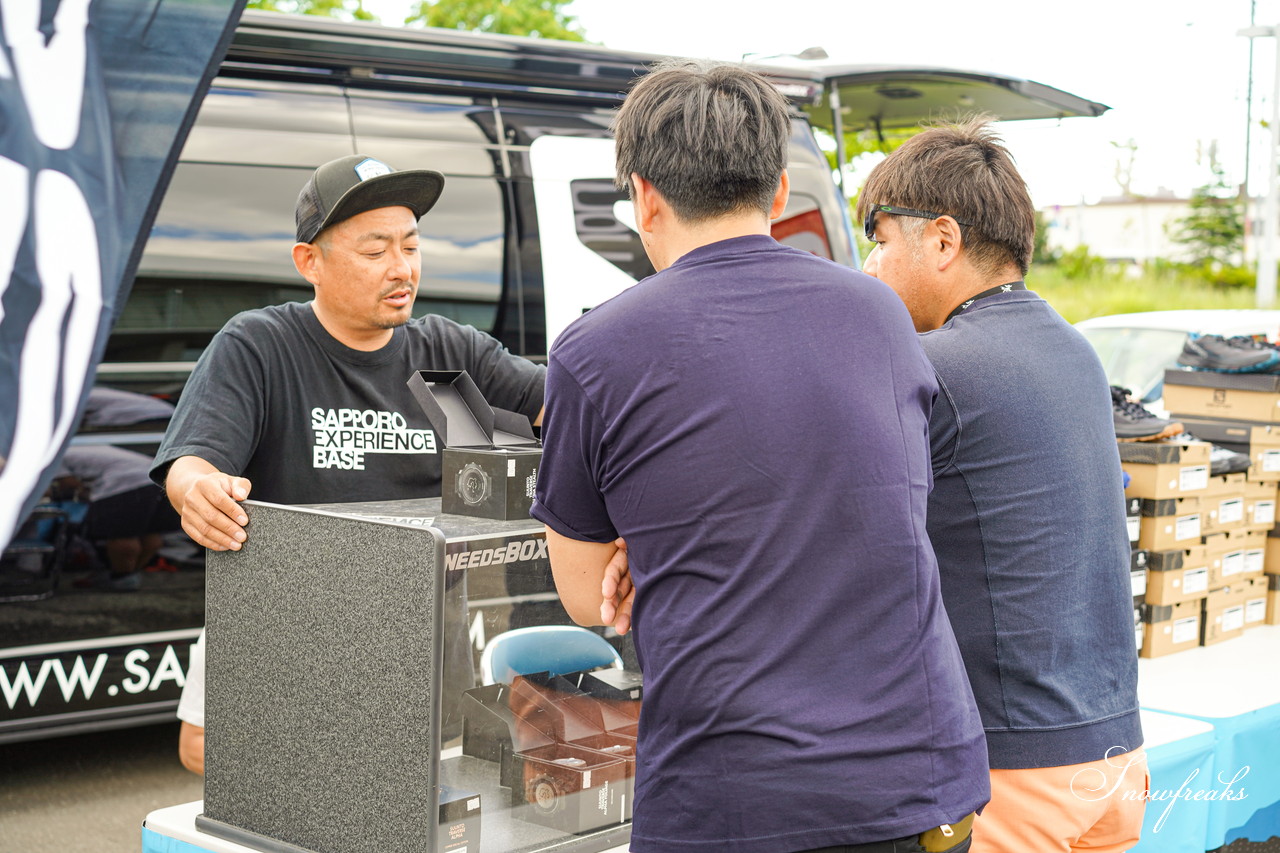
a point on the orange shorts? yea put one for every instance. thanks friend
(1096, 807)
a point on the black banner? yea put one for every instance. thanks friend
(96, 100)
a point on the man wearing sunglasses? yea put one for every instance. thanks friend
(1026, 515)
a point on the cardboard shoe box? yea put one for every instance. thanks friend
(1177, 576)
(1234, 555)
(1133, 517)
(1224, 504)
(1170, 628)
(1255, 602)
(1273, 599)
(1222, 615)
(1259, 506)
(1222, 396)
(1138, 576)
(1161, 469)
(1169, 524)
(490, 459)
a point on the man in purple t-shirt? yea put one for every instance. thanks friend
(753, 421)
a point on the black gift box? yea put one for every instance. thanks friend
(490, 458)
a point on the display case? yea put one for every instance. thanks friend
(388, 676)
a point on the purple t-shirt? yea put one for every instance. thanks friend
(754, 420)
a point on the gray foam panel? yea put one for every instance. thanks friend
(323, 662)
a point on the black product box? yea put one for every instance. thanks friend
(490, 458)
(569, 788)
(459, 821)
(495, 724)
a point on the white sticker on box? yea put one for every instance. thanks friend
(1233, 618)
(586, 779)
(1264, 512)
(473, 804)
(1255, 611)
(1195, 580)
(1194, 478)
(1231, 510)
(1186, 527)
(1254, 560)
(1271, 460)
(1138, 580)
(511, 467)
(1135, 527)
(1186, 630)
(1233, 563)
(1137, 635)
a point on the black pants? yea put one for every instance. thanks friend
(897, 845)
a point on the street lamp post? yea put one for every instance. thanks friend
(1266, 292)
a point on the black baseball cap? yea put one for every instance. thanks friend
(343, 188)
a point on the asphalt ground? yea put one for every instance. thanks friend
(89, 793)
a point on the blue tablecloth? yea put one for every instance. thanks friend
(1234, 686)
(1180, 754)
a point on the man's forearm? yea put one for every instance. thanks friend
(578, 568)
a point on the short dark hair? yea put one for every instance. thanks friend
(711, 137)
(965, 171)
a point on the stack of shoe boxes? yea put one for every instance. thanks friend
(1171, 482)
(1240, 412)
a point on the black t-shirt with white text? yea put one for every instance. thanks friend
(276, 399)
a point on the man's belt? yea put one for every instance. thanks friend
(946, 836)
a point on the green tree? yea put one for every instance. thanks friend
(542, 18)
(347, 10)
(1212, 232)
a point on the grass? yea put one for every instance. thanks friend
(1112, 292)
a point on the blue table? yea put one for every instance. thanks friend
(1180, 753)
(1235, 687)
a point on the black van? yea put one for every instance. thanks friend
(529, 233)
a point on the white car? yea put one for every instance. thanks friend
(1137, 348)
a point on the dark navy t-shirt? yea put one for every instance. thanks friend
(754, 420)
(1027, 516)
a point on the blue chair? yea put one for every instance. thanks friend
(557, 649)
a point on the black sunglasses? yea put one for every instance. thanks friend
(869, 224)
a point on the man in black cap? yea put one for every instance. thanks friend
(307, 402)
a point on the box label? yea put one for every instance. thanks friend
(1138, 580)
(1187, 527)
(1233, 618)
(1253, 560)
(1233, 563)
(1134, 523)
(1255, 611)
(1231, 510)
(1195, 580)
(1194, 478)
(1186, 630)
(1264, 512)
(1271, 460)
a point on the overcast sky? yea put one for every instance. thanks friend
(1174, 72)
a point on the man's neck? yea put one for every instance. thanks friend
(686, 237)
(965, 287)
(364, 340)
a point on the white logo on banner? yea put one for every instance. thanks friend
(58, 344)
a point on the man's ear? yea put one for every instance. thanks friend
(646, 201)
(307, 260)
(950, 240)
(780, 197)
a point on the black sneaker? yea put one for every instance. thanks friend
(1221, 459)
(1238, 354)
(1134, 423)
